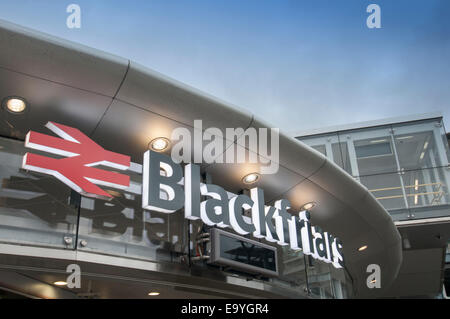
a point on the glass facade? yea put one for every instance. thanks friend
(404, 165)
(34, 209)
(39, 210)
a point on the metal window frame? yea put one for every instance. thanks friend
(215, 257)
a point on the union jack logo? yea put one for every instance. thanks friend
(80, 155)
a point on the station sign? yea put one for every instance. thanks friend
(168, 187)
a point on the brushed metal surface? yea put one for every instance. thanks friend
(149, 104)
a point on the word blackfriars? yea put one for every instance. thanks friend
(163, 192)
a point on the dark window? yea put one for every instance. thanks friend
(247, 253)
(371, 150)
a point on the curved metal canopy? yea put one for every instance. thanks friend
(123, 106)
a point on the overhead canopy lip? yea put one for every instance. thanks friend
(352, 213)
(366, 124)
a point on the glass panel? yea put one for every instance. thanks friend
(292, 267)
(421, 145)
(375, 157)
(40, 210)
(341, 156)
(387, 188)
(373, 151)
(339, 292)
(122, 227)
(445, 141)
(34, 209)
(329, 146)
(447, 254)
(320, 279)
(320, 148)
(427, 187)
(378, 148)
(426, 192)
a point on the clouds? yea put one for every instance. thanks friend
(298, 64)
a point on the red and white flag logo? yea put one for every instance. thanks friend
(77, 168)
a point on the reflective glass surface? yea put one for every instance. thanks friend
(39, 210)
(34, 208)
(247, 253)
(405, 165)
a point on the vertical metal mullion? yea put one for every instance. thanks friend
(353, 158)
(342, 154)
(442, 154)
(329, 150)
(189, 242)
(78, 223)
(306, 274)
(399, 171)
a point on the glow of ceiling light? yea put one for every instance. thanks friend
(159, 144)
(422, 155)
(250, 178)
(362, 248)
(15, 104)
(114, 193)
(416, 199)
(406, 243)
(153, 293)
(416, 184)
(60, 283)
(308, 206)
(425, 146)
(378, 141)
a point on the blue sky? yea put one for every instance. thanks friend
(298, 64)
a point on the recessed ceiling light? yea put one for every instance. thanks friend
(250, 178)
(60, 283)
(159, 144)
(15, 104)
(362, 248)
(308, 206)
(153, 293)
